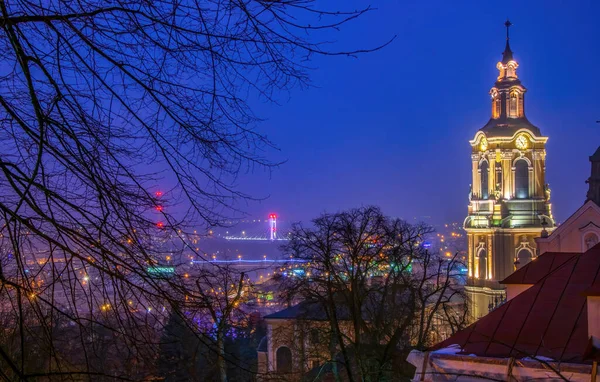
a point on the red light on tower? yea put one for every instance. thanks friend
(159, 208)
(273, 226)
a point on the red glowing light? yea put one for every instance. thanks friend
(159, 208)
(160, 225)
(272, 216)
(158, 194)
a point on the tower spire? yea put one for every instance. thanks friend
(507, 55)
(593, 193)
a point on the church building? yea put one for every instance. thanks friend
(509, 200)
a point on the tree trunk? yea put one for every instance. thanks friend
(221, 364)
(332, 356)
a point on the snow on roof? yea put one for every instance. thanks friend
(547, 320)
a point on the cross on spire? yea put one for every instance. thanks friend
(507, 55)
(507, 24)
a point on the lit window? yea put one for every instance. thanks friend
(521, 179)
(482, 254)
(485, 188)
(513, 111)
(496, 103)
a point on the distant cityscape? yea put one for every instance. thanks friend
(131, 135)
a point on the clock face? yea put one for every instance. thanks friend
(483, 145)
(522, 142)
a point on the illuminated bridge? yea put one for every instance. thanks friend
(249, 263)
(256, 270)
(267, 230)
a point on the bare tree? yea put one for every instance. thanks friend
(378, 288)
(441, 302)
(221, 295)
(101, 103)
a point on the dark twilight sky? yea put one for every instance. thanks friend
(391, 128)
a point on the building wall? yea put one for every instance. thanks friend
(481, 297)
(298, 336)
(593, 313)
(513, 290)
(576, 234)
(501, 247)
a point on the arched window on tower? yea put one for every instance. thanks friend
(482, 255)
(498, 177)
(521, 107)
(513, 105)
(498, 102)
(521, 179)
(484, 176)
(524, 256)
(495, 104)
(511, 69)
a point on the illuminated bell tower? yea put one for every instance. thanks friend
(509, 198)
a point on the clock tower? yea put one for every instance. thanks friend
(509, 200)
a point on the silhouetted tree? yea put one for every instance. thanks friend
(110, 113)
(179, 350)
(219, 299)
(379, 290)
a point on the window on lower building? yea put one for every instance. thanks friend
(284, 360)
(591, 239)
(315, 337)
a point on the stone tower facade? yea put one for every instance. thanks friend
(509, 200)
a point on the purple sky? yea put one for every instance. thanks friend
(391, 128)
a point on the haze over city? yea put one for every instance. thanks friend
(299, 190)
(392, 128)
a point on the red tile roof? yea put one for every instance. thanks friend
(547, 320)
(539, 268)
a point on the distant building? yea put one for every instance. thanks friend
(301, 343)
(298, 340)
(581, 231)
(509, 199)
